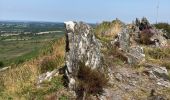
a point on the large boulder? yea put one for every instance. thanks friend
(149, 34)
(81, 46)
(134, 53)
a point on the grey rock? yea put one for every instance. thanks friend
(160, 74)
(81, 45)
(124, 39)
(159, 38)
(118, 76)
(136, 55)
(47, 76)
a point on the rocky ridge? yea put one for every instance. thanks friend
(125, 81)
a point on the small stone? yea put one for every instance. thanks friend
(119, 77)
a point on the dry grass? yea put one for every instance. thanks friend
(160, 56)
(108, 30)
(16, 79)
(24, 76)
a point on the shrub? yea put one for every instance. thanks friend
(145, 36)
(90, 81)
(1, 64)
(117, 54)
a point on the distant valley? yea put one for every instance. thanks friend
(20, 41)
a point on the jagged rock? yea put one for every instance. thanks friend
(160, 74)
(144, 24)
(124, 39)
(47, 76)
(81, 45)
(134, 54)
(159, 38)
(155, 36)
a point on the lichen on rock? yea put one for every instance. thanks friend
(83, 46)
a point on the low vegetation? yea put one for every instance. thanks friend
(145, 36)
(19, 51)
(107, 30)
(164, 26)
(1, 64)
(90, 81)
(19, 82)
(160, 56)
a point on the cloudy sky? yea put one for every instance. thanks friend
(84, 10)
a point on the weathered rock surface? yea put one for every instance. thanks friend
(134, 53)
(156, 36)
(158, 73)
(47, 77)
(125, 82)
(81, 45)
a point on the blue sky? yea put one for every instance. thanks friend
(84, 10)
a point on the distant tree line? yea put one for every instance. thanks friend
(33, 27)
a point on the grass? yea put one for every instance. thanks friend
(106, 31)
(160, 56)
(18, 51)
(48, 87)
(19, 82)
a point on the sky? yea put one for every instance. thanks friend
(93, 11)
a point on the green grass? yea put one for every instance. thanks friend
(18, 51)
(48, 87)
(19, 83)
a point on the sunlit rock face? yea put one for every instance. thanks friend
(81, 45)
(157, 36)
(134, 53)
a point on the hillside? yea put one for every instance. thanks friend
(109, 61)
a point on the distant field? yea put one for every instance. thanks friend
(16, 49)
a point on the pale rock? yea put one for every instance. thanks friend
(81, 46)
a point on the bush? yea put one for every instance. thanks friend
(145, 36)
(90, 81)
(1, 64)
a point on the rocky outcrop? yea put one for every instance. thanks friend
(158, 73)
(134, 53)
(81, 46)
(155, 36)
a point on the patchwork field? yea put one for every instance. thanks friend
(14, 49)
